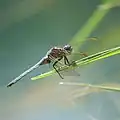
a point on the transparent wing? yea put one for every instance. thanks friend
(70, 73)
(79, 54)
(65, 72)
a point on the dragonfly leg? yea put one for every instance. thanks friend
(66, 61)
(56, 68)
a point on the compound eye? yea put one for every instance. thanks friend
(67, 47)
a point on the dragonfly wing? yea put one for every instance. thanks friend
(26, 72)
(70, 73)
(65, 72)
(80, 54)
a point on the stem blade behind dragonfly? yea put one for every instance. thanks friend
(25, 73)
(103, 87)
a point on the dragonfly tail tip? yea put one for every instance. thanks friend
(10, 84)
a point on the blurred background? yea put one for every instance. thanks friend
(28, 29)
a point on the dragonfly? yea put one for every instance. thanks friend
(54, 55)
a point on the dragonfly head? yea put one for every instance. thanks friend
(68, 48)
